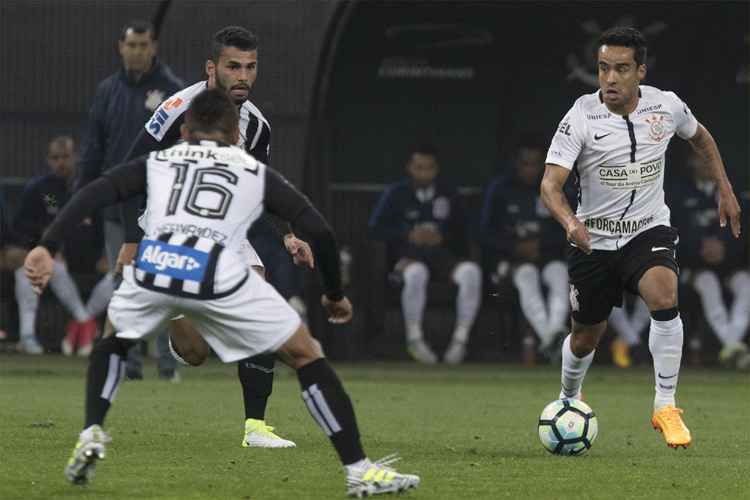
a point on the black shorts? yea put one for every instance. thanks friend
(597, 281)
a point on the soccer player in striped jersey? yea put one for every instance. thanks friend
(614, 141)
(208, 184)
(233, 68)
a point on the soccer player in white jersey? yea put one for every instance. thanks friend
(206, 182)
(614, 142)
(232, 67)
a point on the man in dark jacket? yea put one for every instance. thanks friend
(422, 222)
(523, 239)
(123, 103)
(715, 262)
(40, 202)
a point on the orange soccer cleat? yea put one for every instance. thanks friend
(668, 421)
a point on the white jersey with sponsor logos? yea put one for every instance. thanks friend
(253, 125)
(619, 162)
(201, 198)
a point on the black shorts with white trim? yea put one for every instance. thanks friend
(598, 280)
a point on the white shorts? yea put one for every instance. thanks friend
(249, 255)
(252, 320)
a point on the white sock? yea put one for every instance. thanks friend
(356, 466)
(468, 277)
(665, 344)
(707, 285)
(65, 290)
(100, 296)
(555, 276)
(619, 320)
(640, 318)
(526, 280)
(740, 312)
(414, 297)
(28, 303)
(573, 371)
(461, 335)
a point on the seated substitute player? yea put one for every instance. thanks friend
(421, 220)
(614, 141)
(714, 260)
(517, 229)
(205, 277)
(628, 321)
(232, 67)
(40, 202)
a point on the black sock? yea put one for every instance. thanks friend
(331, 408)
(256, 377)
(106, 371)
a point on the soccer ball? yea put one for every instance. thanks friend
(567, 427)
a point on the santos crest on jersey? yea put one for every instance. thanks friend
(619, 162)
(202, 198)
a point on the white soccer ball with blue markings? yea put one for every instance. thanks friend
(567, 427)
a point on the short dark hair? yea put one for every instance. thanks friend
(425, 148)
(530, 140)
(61, 140)
(212, 111)
(233, 36)
(138, 26)
(626, 36)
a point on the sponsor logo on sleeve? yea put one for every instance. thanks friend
(564, 127)
(157, 121)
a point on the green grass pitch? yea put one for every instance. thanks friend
(470, 432)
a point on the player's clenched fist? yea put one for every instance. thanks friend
(38, 267)
(339, 311)
(577, 234)
(300, 251)
(729, 209)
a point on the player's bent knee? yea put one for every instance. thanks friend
(585, 338)
(187, 343)
(666, 301)
(300, 349)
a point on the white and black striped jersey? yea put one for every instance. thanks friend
(207, 195)
(619, 162)
(201, 199)
(255, 131)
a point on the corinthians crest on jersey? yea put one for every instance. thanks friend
(619, 162)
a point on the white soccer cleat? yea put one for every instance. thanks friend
(736, 355)
(377, 478)
(455, 353)
(420, 351)
(30, 346)
(89, 449)
(260, 435)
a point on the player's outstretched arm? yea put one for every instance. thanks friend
(705, 146)
(39, 267)
(554, 199)
(285, 201)
(116, 185)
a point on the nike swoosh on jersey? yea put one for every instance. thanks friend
(656, 249)
(597, 137)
